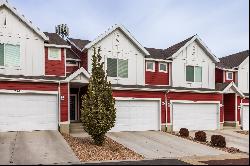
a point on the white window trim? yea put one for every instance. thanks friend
(151, 70)
(117, 76)
(228, 77)
(194, 75)
(55, 59)
(163, 70)
(4, 54)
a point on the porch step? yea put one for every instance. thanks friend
(76, 128)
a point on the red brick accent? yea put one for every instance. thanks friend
(193, 97)
(55, 67)
(139, 94)
(157, 78)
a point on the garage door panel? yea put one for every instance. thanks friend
(195, 116)
(136, 115)
(24, 112)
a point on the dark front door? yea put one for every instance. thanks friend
(73, 114)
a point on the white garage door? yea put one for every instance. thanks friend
(24, 112)
(137, 115)
(195, 116)
(245, 117)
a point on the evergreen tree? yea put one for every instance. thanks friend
(98, 111)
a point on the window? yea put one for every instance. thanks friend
(194, 74)
(229, 75)
(117, 68)
(150, 66)
(163, 67)
(54, 54)
(9, 55)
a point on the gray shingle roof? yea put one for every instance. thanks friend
(233, 61)
(221, 86)
(166, 53)
(79, 42)
(54, 38)
(71, 54)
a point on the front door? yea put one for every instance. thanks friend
(73, 108)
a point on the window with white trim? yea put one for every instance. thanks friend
(9, 55)
(54, 54)
(117, 67)
(163, 67)
(193, 74)
(150, 66)
(229, 75)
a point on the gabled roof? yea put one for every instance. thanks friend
(76, 73)
(78, 43)
(55, 39)
(174, 50)
(166, 53)
(224, 87)
(233, 61)
(4, 3)
(112, 29)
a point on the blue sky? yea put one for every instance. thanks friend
(222, 24)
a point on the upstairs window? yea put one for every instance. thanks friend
(193, 74)
(54, 54)
(9, 55)
(229, 75)
(163, 67)
(150, 66)
(117, 68)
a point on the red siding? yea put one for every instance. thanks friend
(139, 94)
(28, 86)
(55, 67)
(234, 77)
(72, 69)
(157, 78)
(84, 59)
(218, 75)
(193, 97)
(229, 107)
(64, 103)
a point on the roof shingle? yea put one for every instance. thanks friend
(233, 61)
(166, 53)
(54, 38)
(79, 42)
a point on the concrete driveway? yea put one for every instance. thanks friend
(233, 139)
(39, 147)
(155, 144)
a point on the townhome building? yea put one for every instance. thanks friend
(42, 79)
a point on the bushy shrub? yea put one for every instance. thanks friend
(200, 136)
(218, 141)
(184, 132)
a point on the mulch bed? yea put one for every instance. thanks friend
(226, 149)
(85, 150)
(243, 132)
(243, 161)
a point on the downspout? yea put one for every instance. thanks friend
(59, 103)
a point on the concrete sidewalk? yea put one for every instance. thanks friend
(38, 147)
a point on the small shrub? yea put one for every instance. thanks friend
(218, 141)
(200, 136)
(184, 132)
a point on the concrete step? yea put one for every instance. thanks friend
(76, 124)
(76, 130)
(76, 127)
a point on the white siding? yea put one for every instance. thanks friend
(127, 50)
(31, 45)
(243, 76)
(198, 57)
